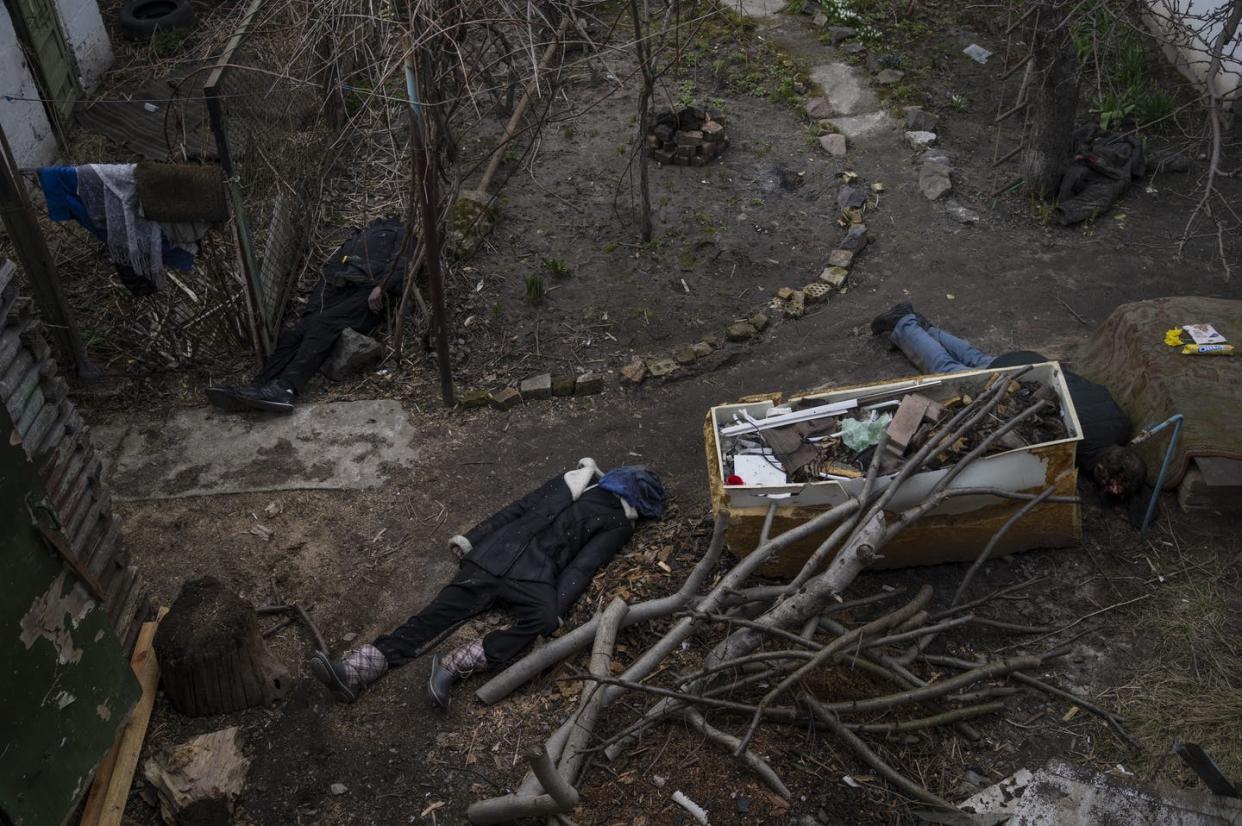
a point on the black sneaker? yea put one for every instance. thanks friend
(440, 683)
(886, 321)
(332, 675)
(273, 397)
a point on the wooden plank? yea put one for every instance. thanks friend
(105, 805)
(906, 422)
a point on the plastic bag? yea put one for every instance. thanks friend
(858, 435)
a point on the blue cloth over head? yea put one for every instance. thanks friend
(639, 486)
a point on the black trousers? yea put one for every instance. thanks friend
(473, 591)
(302, 349)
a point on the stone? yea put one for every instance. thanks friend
(759, 321)
(844, 89)
(855, 240)
(712, 341)
(691, 137)
(352, 354)
(837, 34)
(935, 155)
(857, 126)
(935, 180)
(819, 20)
(701, 349)
(834, 144)
(684, 356)
(588, 384)
(537, 387)
(635, 372)
(505, 398)
(840, 258)
(338, 789)
(662, 367)
(850, 197)
(739, 331)
(712, 130)
(920, 140)
(816, 291)
(961, 214)
(920, 120)
(854, 48)
(834, 277)
(889, 77)
(785, 293)
(350, 637)
(819, 108)
(563, 385)
(473, 398)
(795, 307)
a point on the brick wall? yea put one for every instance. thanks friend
(58, 443)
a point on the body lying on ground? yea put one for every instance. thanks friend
(364, 272)
(1106, 430)
(534, 557)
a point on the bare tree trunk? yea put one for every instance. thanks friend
(644, 101)
(1053, 98)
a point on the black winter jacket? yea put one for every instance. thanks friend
(548, 537)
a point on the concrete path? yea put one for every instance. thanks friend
(197, 452)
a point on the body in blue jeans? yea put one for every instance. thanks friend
(935, 351)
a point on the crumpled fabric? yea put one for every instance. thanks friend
(111, 191)
(639, 486)
(1104, 166)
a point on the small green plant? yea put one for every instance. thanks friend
(557, 267)
(610, 247)
(1041, 211)
(685, 93)
(568, 131)
(509, 156)
(622, 149)
(534, 289)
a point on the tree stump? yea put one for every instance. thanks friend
(212, 657)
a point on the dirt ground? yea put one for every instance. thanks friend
(1138, 614)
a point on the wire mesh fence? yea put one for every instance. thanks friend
(272, 132)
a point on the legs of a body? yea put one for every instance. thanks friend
(933, 350)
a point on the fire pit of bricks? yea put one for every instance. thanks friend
(691, 137)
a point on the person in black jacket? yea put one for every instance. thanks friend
(1106, 430)
(534, 557)
(368, 267)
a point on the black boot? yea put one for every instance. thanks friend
(441, 682)
(886, 321)
(275, 396)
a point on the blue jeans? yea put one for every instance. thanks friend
(935, 351)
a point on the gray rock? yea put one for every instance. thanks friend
(505, 398)
(920, 140)
(834, 144)
(935, 155)
(819, 20)
(352, 354)
(684, 355)
(662, 367)
(837, 34)
(850, 197)
(834, 277)
(935, 180)
(537, 387)
(759, 321)
(854, 48)
(920, 120)
(338, 789)
(634, 372)
(739, 331)
(846, 92)
(889, 77)
(588, 384)
(819, 108)
(961, 214)
(855, 240)
(858, 126)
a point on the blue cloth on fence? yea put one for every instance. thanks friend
(60, 189)
(639, 486)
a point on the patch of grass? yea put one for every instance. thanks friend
(610, 247)
(557, 268)
(168, 44)
(1120, 74)
(1193, 692)
(535, 291)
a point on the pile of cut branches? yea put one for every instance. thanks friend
(777, 637)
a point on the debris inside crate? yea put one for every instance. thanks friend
(810, 441)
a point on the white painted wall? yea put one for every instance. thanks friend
(83, 26)
(1187, 32)
(24, 122)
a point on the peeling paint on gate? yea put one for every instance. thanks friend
(53, 615)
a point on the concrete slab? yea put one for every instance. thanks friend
(201, 452)
(846, 93)
(757, 8)
(858, 126)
